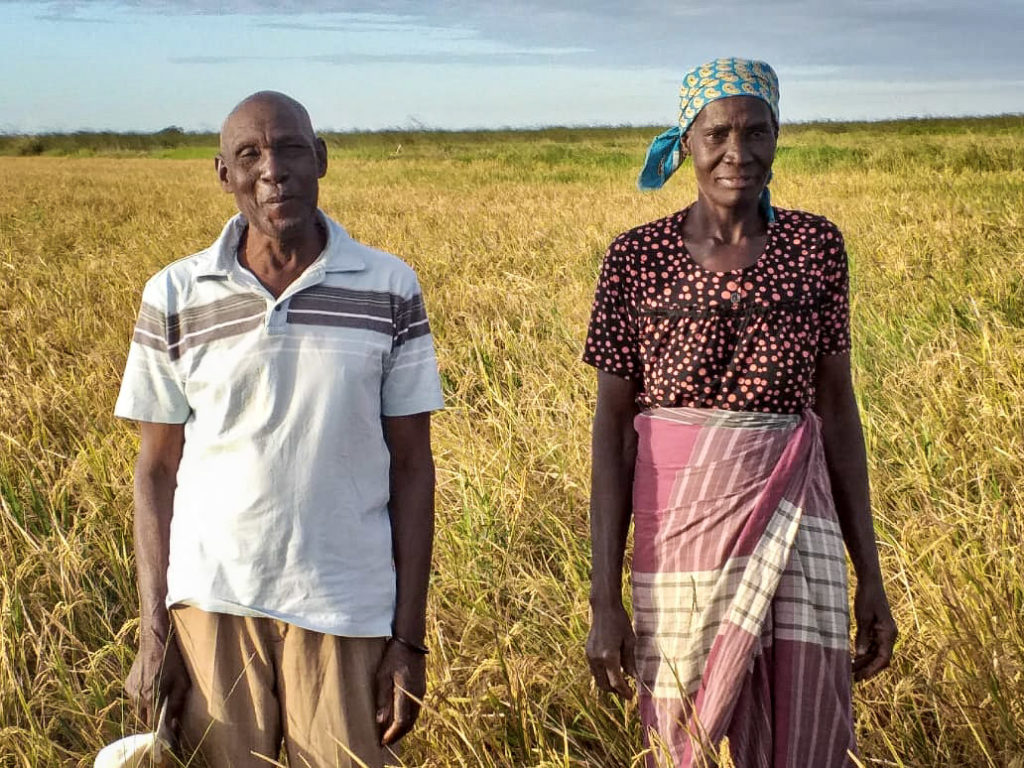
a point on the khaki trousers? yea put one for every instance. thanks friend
(259, 682)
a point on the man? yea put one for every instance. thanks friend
(283, 379)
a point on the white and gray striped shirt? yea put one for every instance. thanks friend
(281, 503)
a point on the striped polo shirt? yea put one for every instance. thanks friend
(281, 507)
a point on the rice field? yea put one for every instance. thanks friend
(506, 231)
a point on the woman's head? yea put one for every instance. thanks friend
(740, 94)
(725, 78)
(732, 144)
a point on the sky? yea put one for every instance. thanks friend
(144, 65)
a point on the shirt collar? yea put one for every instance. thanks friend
(341, 254)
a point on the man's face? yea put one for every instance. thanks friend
(732, 143)
(271, 161)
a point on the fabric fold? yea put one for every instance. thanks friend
(739, 581)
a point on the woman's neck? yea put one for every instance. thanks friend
(724, 225)
(723, 239)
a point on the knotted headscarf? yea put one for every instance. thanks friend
(718, 79)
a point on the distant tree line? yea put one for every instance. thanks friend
(88, 142)
(173, 137)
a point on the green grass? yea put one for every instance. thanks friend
(506, 231)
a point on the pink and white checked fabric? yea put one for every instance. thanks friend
(739, 592)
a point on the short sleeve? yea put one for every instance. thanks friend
(834, 310)
(152, 388)
(411, 382)
(611, 337)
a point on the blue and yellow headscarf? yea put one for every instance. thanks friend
(718, 79)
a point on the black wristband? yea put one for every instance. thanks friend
(415, 647)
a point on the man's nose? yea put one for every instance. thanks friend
(272, 167)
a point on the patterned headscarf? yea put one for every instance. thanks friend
(718, 79)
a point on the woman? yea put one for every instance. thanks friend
(727, 429)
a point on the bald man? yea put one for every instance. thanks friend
(283, 379)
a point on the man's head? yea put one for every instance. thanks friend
(271, 161)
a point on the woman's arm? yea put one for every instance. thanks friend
(847, 468)
(613, 454)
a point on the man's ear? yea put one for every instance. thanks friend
(222, 172)
(321, 156)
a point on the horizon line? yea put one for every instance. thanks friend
(417, 127)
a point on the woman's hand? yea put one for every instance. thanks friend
(846, 459)
(876, 630)
(613, 452)
(610, 648)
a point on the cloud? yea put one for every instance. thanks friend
(540, 57)
(71, 19)
(915, 39)
(357, 23)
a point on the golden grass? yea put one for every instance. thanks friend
(507, 238)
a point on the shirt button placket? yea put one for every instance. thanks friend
(277, 316)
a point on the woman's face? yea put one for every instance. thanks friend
(732, 143)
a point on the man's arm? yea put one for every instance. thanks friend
(847, 468)
(401, 677)
(613, 455)
(158, 672)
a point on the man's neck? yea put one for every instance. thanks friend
(277, 262)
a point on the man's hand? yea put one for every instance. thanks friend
(158, 675)
(401, 686)
(610, 649)
(402, 674)
(876, 630)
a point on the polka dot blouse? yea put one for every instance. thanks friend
(743, 340)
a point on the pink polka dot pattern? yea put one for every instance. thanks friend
(744, 340)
